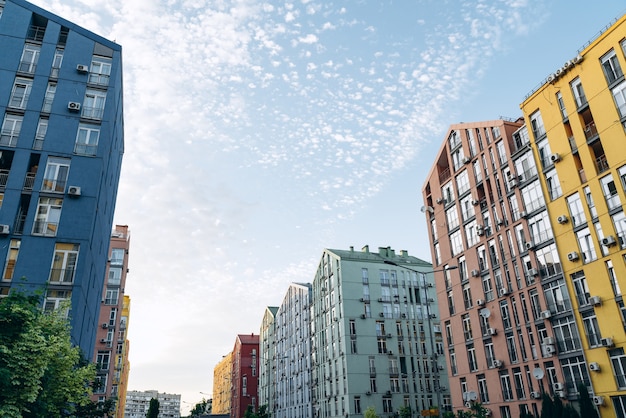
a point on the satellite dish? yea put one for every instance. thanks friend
(472, 395)
(538, 373)
(485, 313)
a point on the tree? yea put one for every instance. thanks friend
(404, 412)
(153, 410)
(587, 409)
(547, 406)
(201, 408)
(370, 412)
(41, 373)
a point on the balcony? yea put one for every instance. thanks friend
(36, 33)
(29, 181)
(591, 132)
(601, 164)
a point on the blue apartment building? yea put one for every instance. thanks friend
(61, 147)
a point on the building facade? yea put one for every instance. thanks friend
(376, 335)
(577, 120)
(507, 309)
(222, 385)
(267, 363)
(245, 375)
(61, 146)
(111, 353)
(138, 404)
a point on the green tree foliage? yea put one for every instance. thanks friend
(587, 409)
(370, 412)
(555, 408)
(404, 412)
(153, 410)
(201, 408)
(41, 374)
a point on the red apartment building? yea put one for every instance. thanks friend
(503, 306)
(245, 374)
(111, 348)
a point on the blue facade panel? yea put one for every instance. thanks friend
(58, 186)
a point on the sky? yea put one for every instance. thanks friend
(259, 133)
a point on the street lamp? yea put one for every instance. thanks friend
(434, 364)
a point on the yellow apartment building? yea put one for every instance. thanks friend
(222, 377)
(577, 122)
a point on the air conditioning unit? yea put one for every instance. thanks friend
(105, 325)
(555, 157)
(546, 314)
(609, 241)
(466, 160)
(433, 316)
(562, 219)
(439, 201)
(73, 191)
(558, 386)
(403, 315)
(595, 300)
(440, 367)
(388, 392)
(512, 183)
(480, 302)
(390, 353)
(548, 340)
(607, 342)
(595, 367)
(480, 230)
(492, 331)
(529, 245)
(74, 106)
(535, 395)
(382, 315)
(82, 68)
(380, 299)
(573, 256)
(363, 316)
(437, 328)
(560, 393)
(598, 400)
(475, 202)
(429, 285)
(362, 300)
(504, 292)
(104, 340)
(468, 404)
(475, 273)
(549, 350)
(523, 214)
(487, 412)
(4, 229)
(368, 393)
(498, 363)
(533, 272)
(389, 335)
(500, 222)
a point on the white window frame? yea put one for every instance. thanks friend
(56, 175)
(11, 128)
(20, 93)
(48, 216)
(64, 262)
(87, 138)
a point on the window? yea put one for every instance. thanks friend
(536, 123)
(11, 128)
(30, 56)
(117, 256)
(100, 71)
(9, 267)
(387, 405)
(618, 361)
(40, 135)
(111, 296)
(103, 360)
(357, 404)
(577, 214)
(553, 184)
(578, 92)
(587, 248)
(592, 330)
(557, 297)
(505, 383)
(619, 95)
(471, 358)
(55, 299)
(613, 278)
(566, 334)
(590, 204)
(93, 105)
(456, 243)
(49, 97)
(55, 177)
(100, 383)
(462, 182)
(610, 192)
(56, 62)
(559, 99)
(453, 365)
(48, 215)
(580, 288)
(611, 67)
(20, 93)
(87, 139)
(64, 263)
(483, 391)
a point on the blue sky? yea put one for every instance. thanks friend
(259, 133)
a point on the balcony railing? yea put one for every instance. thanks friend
(29, 181)
(601, 164)
(590, 130)
(36, 33)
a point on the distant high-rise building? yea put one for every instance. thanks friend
(61, 146)
(222, 382)
(577, 122)
(245, 375)
(267, 364)
(487, 216)
(286, 356)
(365, 333)
(138, 404)
(111, 353)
